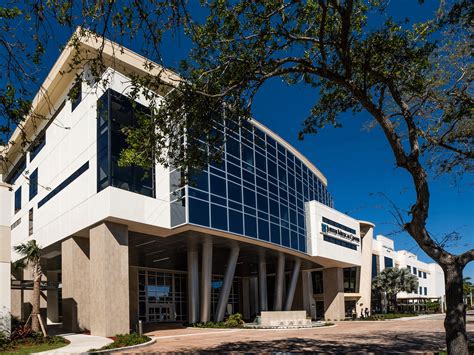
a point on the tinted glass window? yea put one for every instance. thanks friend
(198, 212)
(18, 200)
(33, 184)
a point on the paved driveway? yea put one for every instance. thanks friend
(425, 334)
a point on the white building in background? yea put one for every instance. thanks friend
(430, 275)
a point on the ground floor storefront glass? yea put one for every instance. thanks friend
(162, 296)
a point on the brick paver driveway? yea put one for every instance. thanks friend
(424, 334)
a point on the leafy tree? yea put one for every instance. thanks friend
(31, 253)
(413, 79)
(467, 286)
(393, 280)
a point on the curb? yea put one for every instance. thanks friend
(152, 341)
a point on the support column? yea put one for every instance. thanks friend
(52, 299)
(254, 306)
(280, 274)
(227, 284)
(109, 286)
(333, 285)
(309, 303)
(206, 279)
(193, 284)
(75, 266)
(365, 273)
(5, 257)
(292, 286)
(246, 297)
(262, 282)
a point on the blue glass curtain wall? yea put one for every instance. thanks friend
(114, 113)
(258, 190)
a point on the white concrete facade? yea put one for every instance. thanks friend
(430, 275)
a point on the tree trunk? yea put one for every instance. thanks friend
(455, 321)
(35, 326)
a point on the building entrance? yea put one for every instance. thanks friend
(162, 296)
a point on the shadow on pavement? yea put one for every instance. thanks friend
(391, 344)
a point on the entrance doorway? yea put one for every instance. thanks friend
(162, 296)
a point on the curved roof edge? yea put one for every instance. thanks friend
(367, 223)
(292, 149)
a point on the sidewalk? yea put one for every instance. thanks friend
(80, 343)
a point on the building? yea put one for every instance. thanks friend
(430, 275)
(255, 232)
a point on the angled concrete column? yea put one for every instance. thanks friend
(227, 284)
(333, 285)
(5, 250)
(75, 266)
(290, 293)
(193, 284)
(206, 278)
(109, 274)
(280, 274)
(262, 282)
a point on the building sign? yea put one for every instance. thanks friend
(338, 232)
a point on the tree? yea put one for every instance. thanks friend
(466, 285)
(392, 281)
(413, 79)
(31, 253)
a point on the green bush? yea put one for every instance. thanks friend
(123, 340)
(234, 321)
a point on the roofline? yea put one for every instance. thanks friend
(119, 58)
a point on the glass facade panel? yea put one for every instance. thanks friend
(18, 200)
(260, 184)
(388, 262)
(115, 113)
(33, 184)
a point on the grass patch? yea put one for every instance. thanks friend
(34, 345)
(123, 340)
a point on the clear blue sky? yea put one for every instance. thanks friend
(358, 164)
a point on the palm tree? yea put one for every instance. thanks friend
(31, 253)
(393, 280)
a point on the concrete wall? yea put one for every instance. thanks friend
(365, 275)
(333, 294)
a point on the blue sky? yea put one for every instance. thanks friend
(358, 164)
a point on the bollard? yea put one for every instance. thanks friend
(140, 327)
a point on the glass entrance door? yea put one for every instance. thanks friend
(162, 296)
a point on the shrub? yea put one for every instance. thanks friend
(234, 321)
(123, 340)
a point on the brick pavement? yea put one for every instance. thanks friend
(423, 335)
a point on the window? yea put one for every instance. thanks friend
(421, 290)
(350, 280)
(15, 224)
(425, 289)
(375, 265)
(30, 222)
(115, 113)
(37, 145)
(414, 270)
(424, 275)
(388, 262)
(419, 273)
(75, 95)
(340, 242)
(64, 184)
(18, 199)
(317, 279)
(16, 171)
(409, 268)
(33, 184)
(198, 212)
